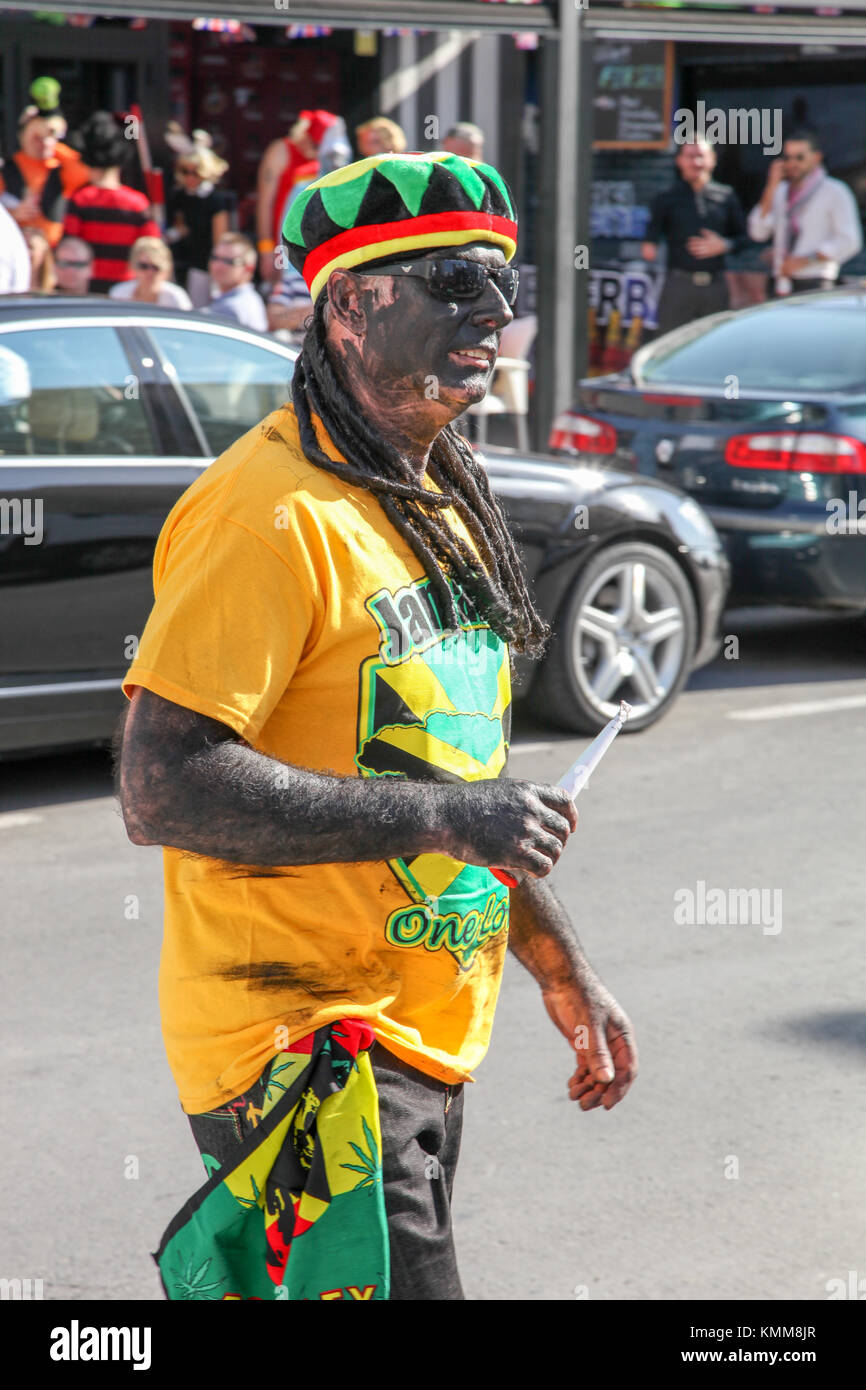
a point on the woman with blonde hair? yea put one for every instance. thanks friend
(42, 274)
(379, 136)
(198, 215)
(152, 267)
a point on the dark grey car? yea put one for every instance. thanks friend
(759, 414)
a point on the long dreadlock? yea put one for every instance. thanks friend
(496, 590)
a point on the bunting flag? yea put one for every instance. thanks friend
(301, 1214)
(308, 31)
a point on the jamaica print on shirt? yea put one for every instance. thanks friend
(436, 707)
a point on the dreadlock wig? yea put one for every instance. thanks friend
(373, 210)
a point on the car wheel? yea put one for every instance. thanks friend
(627, 631)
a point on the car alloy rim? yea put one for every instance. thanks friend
(629, 639)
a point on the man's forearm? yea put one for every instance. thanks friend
(217, 797)
(266, 189)
(767, 199)
(289, 317)
(761, 222)
(542, 937)
(190, 782)
(236, 804)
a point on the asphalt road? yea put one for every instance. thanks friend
(733, 1169)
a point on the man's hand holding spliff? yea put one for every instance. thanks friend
(543, 939)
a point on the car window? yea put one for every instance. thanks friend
(232, 384)
(776, 348)
(69, 391)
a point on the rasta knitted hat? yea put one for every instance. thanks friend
(393, 204)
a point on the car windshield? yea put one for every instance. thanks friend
(785, 347)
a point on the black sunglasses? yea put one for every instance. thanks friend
(454, 278)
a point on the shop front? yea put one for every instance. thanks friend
(245, 73)
(762, 74)
(243, 84)
(100, 63)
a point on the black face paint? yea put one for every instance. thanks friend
(389, 413)
(420, 344)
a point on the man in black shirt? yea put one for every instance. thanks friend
(701, 220)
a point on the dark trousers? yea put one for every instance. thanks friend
(681, 300)
(421, 1121)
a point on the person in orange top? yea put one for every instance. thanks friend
(43, 172)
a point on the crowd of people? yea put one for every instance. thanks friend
(70, 225)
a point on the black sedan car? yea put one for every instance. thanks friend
(108, 413)
(759, 414)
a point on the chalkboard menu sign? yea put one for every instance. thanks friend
(632, 95)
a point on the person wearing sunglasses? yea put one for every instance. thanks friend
(232, 264)
(73, 266)
(813, 220)
(323, 687)
(198, 215)
(152, 269)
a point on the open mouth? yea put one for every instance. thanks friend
(479, 358)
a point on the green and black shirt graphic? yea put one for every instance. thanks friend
(436, 705)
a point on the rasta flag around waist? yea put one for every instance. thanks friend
(301, 1214)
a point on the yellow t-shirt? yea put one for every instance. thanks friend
(288, 607)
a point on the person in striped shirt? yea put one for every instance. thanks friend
(106, 213)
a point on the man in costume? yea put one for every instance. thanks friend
(318, 732)
(286, 162)
(43, 172)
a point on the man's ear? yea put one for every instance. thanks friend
(345, 299)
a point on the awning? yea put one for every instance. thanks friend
(697, 23)
(490, 18)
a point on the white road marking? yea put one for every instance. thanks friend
(11, 818)
(802, 707)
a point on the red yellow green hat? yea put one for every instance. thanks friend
(392, 204)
